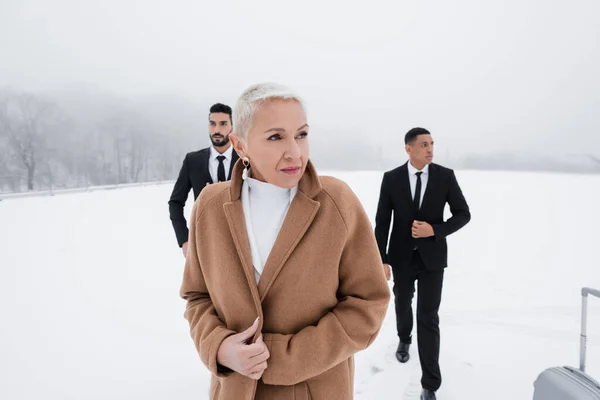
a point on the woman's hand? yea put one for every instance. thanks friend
(246, 359)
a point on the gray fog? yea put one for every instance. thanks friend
(504, 77)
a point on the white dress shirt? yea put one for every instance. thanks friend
(412, 177)
(213, 164)
(265, 207)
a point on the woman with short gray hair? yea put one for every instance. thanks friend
(282, 295)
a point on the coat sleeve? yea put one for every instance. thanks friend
(177, 202)
(383, 217)
(351, 326)
(459, 208)
(207, 330)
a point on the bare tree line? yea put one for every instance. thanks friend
(53, 142)
(43, 146)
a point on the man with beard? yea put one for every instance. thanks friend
(201, 168)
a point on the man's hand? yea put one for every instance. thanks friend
(388, 271)
(184, 249)
(421, 230)
(247, 359)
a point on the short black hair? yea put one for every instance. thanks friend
(220, 108)
(413, 133)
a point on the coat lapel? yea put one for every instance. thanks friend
(234, 213)
(298, 219)
(405, 187)
(206, 165)
(234, 158)
(301, 214)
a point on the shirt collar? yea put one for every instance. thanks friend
(412, 170)
(214, 153)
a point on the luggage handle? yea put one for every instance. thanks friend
(583, 341)
(594, 292)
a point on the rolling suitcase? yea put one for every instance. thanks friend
(567, 383)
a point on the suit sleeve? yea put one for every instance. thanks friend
(383, 218)
(207, 330)
(459, 208)
(177, 202)
(351, 326)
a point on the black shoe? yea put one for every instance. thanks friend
(402, 353)
(427, 394)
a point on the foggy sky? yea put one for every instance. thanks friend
(482, 76)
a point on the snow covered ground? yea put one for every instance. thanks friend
(89, 304)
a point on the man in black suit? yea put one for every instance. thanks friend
(416, 193)
(201, 168)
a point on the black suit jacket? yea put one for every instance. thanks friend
(396, 197)
(194, 175)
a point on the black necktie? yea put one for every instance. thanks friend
(417, 198)
(221, 169)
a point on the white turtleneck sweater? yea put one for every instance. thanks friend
(265, 207)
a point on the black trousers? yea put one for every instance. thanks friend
(428, 303)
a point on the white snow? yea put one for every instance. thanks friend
(90, 307)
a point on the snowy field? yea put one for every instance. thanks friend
(90, 307)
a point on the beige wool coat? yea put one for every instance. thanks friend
(321, 298)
